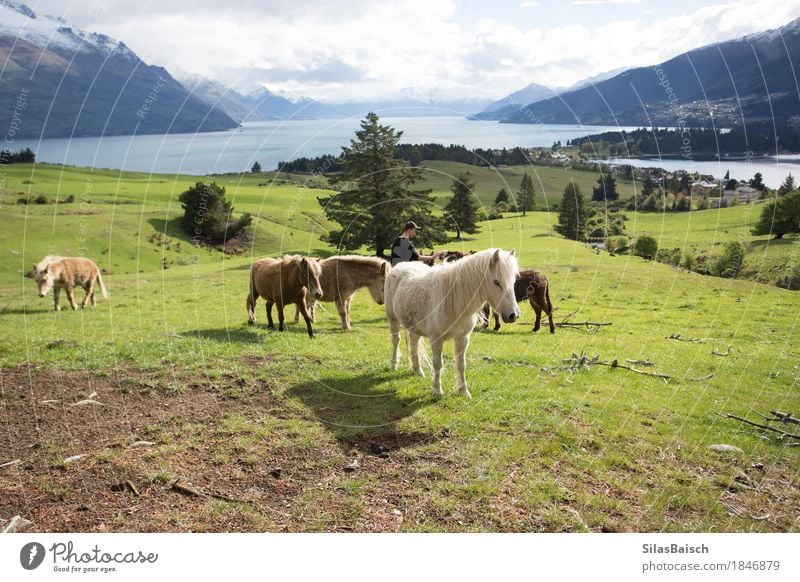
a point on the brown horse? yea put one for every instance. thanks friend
(341, 277)
(58, 273)
(283, 281)
(450, 256)
(533, 286)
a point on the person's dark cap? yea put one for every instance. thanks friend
(411, 224)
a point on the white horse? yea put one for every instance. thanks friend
(442, 303)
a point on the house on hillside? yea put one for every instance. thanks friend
(742, 195)
(704, 188)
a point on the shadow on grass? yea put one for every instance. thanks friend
(247, 335)
(363, 410)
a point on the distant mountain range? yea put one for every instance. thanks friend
(533, 93)
(262, 104)
(752, 79)
(67, 82)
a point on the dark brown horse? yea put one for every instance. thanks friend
(533, 286)
(284, 281)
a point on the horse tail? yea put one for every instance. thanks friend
(251, 298)
(547, 298)
(103, 289)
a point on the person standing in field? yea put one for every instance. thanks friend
(402, 247)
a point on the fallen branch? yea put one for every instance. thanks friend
(189, 490)
(785, 417)
(596, 325)
(641, 362)
(17, 523)
(185, 489)
(783, 433)
(697, 340)
(577, 362)
(132, 487)
(724, 354)
(11, 463)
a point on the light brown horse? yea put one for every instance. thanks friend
(283, 281)
(533, 286)
(341, 277)
(58, 273)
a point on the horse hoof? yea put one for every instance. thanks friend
(465, 393)
(251, 322)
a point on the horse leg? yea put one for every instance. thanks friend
(394, 329)
(342, 309)
(436, 349)
(89, 288)
(56, 294)
(281, 317)
(71, 297)
(496, 322)
(270, 323)
(347, 311)
(538, 310)
(413, 349)
(303, 308)
(460, 357)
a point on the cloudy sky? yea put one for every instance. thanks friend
(336, 50)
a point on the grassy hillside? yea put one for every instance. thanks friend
(272, 423)
(549, 181)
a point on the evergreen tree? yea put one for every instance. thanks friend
(377, 195)
(781, 216)
(684, 185)
(788, 185)
(502, 197)
(208, 216)
(731, 184)
(525, 196)
(256, 169)
(648, 186)
(606, 189)
(462, 210)
(757, 182)
(573, 214)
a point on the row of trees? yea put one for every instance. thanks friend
(23, 156)
(757, 139)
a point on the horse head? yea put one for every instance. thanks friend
(310, 271)
(503, 270)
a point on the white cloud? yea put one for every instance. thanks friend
(529, 4)
(601, 2)
(361, 49)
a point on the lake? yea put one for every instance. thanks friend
(270, 142)
(773, 168)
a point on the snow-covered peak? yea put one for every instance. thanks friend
(52, 32)
(770, 35)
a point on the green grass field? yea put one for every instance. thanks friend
(272, 423)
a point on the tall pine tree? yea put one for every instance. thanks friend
(572, 213)
(525, 195)
(376, 194)
(606, 189)
(462, 210)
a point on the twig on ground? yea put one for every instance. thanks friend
(577, 362)
(17, 523)
(723, 354)
(11, 463)
(679, 337)
(783, 433)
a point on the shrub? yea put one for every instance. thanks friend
(645, 247)
(792, 280)
(669, 257)
(41, 199)
(617, 244)
(729, 263)
(70, 199)
(208, 216)
(688, 261)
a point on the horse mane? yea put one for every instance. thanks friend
(450, 278)
(359, 259)
(49, 259)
